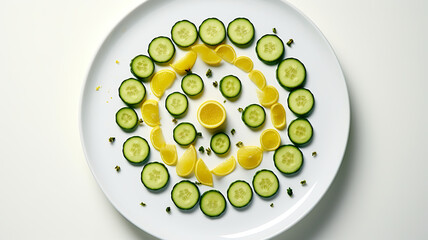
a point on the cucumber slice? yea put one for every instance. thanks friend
(161, 49)
(127, 118)
(184, 133)
(142, 67)
(192, 84)
(213, 203)
(212, 31)
(176, 104)
(154, 176)
(241, 32)
(220, 143)
(270, 49)
(132, 92)
(185, 195)
(239, 194)
(300, 132)
(254, 116)
(184, 33)
(288, 159)
(136, 150)
(265, 183)
(291, 73)
(230, 86)
(301, 102)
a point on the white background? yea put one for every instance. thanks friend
(48, 192)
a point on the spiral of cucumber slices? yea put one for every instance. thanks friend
(142, 67)
(301, 102)
(270, 49)
(265, 183)
(291, 73)
(220, 143)
(184, 134)
(127, 118)
(192, 84)
(254, 116)
(239, 194)
(230, 86)
(300, 132)
(241, 32)
(212, 31)
(288, 159)
(184, 33)
(176, 104)
(161, 49)
(132, 92)
(185, 195)
(154, 176)
(136, 150)
(212, 203)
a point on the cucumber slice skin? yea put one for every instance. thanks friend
(168, 45)
(193, 90)
(299, 83)
(213, 195)
(194, 191)
(143, 158)
(138, 88)
(292, 102)
(238, 42)
(283, 167)
(246, 111)
(202, 33)
(293, 136)
(232, 199)
(176, 111)
(130, 114)
(163, 176)
(187, 25)
(140, 59)
(192, 133)
(259, 53)
(230, 80)
(217, 150)
(269, 176)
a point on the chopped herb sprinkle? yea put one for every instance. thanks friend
(239, 144)
(143, 204)
(201, 149)
(271, 205)
(303, 182)
(199, 134)
(111, 139)
(274, 30)
(174, 120)
(197, 183)
(188, 70)
(117, 168)
(209, 73)
(140, 121)
(215, 83)
(208, 151)
(314, 154)
(233, 131)
(240, 110)
(290, 192)
(290, 42)
(224, 101)
(168, 209)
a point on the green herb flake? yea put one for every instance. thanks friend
(271, 205)
(208, 151)
(290, 42)
(117, 168)
(188, 70)
(215, 83)
(197, 183)
(111, 139)
(224, 101)
(240, 110)
(168, 209)
(239, 144)
(290, 192)
(303, 182)
(233, 131)
(314, 154)
(201, 149)
(174, 120)
(140, 121)
(199, 134)
(274, 30)
(143, 204)
(209, 73)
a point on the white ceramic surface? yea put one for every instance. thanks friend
(330, 119)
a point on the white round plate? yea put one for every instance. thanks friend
(330, 119)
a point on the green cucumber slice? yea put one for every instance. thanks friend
(241, 32)
(254, 116)
(230, 86)
(142, 67)
(291, 73)
(265, 183)
(212, 31)
(127, 118)
(185, 194)
(136, 150)
(192, 84)
(270, 49)
(154, 176)
(161, 49)
(184, 133)
(132, 92)
(184, 33)
(288, 159)
(212, 203)
(300, 132)
(239, 194)
(220, 143)
(176, 104)
(301, 102)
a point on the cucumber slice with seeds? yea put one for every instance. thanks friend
(288, 159)
(132, 92)
(154, 176)
(161, 49)
(136, 150)
(301, 102)
(270, 49)
(241, 32)
(220, 143)
(176, 104)
(142, 67)
(212, 31)
(192, 84)
(213, 203)
(291, 73)
(127, 118)
(184, 133)
(300, 132)
(265, 183)
(239, 194)
(230, 86)
(185, 194)
(254, 116)
(184, 33)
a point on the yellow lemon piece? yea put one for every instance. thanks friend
(150, 112)
(226, 52)
(249, 157)
(206, 54)
(268, 96)
(277, 116)
(211, 114)
(225, 167)
(244, 63)
(203, 174)
(168, 154)
(161, 81)
(270, 139)
(258, 78)
(157, 139)
(185, 63)
(186, 163)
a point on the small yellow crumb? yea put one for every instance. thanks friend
(98, 88)
(117, 61)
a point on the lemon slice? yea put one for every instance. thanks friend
(157, 139)
(277, 116)
(168, 154)
(203, 174)
(211, 114)
(226, 52)
(161, 81)
(150, 112)
(258, 78)
(186, 163)
(249, 157)
(206, 54)
(268, 96)
(185, 63)
(244, 63)
(225, 167)
(270, 139)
